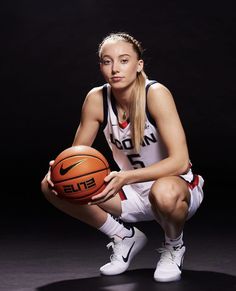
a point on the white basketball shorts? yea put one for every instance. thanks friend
(136, 207)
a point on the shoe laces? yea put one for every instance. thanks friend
(116, 246)
(167, 255)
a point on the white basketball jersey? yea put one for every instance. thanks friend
(119, 139)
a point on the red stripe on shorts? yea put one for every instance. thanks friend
(122, 195)
(194, 182)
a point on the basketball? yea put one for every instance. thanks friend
(78, 173)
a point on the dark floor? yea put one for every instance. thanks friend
(61, 254)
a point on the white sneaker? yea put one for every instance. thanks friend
(170, 264)
(123, 252)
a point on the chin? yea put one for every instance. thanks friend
(120, 85)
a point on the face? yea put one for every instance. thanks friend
(119, 63)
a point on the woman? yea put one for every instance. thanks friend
(142, 126)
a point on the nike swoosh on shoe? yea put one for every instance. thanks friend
(125, 259)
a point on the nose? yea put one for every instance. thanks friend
(115, 68)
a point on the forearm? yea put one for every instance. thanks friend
(164, 168)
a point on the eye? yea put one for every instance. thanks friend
(124, 61)
(105, 61)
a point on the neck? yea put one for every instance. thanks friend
(123, 95)
(123, 100)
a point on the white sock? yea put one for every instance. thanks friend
(174, 241)
(112, 227)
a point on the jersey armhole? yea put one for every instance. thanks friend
(105, 106)
(149, 117)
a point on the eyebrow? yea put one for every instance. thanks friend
(120, 56)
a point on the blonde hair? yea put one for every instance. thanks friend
(137, 109)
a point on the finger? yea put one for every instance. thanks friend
(104, 193)
(54, 192)
(50, 181)
(101, 200)
(103, 196)
(51, 163)
(110, 176)
(98, 196)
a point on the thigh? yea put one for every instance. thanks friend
(136, 206)
(129, 205)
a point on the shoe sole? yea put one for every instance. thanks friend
(165, 280)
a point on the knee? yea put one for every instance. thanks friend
(164, 195)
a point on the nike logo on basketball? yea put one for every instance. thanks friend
(63, 171)
(127, 257)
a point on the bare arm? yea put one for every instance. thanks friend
(91, 117)
(163, 110)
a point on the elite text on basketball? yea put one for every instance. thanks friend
(81, 186)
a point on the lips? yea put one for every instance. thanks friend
(116, 79)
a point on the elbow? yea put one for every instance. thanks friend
(184, 166)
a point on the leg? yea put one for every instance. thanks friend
(170, 198)
(124, 248)
(126, 243)
(93, 215)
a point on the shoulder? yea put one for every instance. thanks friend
(158, 89)
(94, 94)
(94, 97)
(160, 100)
(158, 93)
(93, 104)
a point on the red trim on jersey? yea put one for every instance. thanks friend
(194, 182)
(122, 195)
(123, 124)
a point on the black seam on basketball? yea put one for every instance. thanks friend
(90, 173)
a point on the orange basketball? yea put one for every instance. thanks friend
(78, 173)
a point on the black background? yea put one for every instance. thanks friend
(49, 63)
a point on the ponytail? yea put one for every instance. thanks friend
(137, 110)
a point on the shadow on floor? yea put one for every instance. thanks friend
(142, 280)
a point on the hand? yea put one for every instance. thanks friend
(115, 180)
(47, 184)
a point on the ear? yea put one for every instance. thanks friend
(140, 66)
